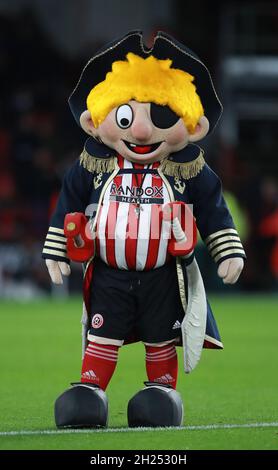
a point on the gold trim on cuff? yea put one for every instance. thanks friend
(225, 246)
(225, 231)
(58, 238)
(47, 251)
(229, 252)
(56, 230)
(232, 238)
(55, 245)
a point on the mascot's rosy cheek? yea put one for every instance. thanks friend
(108, 128)
(178, 134)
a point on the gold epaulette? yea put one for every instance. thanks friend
(185, 170)
(96, 165)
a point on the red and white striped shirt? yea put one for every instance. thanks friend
(131, 233)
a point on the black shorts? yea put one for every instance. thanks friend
(138, 305)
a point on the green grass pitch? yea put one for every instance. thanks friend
(41, 355)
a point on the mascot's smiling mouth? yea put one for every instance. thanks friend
(142, 149)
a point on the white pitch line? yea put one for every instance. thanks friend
(204, 427)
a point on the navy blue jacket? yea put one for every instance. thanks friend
(186, 176)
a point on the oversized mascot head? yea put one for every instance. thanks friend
(145, 104)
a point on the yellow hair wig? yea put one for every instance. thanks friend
(146, 80)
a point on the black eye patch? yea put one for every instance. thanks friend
(162, 116)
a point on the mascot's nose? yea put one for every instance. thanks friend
(141, 128)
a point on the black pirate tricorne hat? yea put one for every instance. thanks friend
(164, 47)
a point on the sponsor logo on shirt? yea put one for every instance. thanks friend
(135, 195)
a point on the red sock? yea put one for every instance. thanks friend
(99, 363)
(162, 364)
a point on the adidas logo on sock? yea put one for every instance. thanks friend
(165, 379)
(176, 325)
(89, 375)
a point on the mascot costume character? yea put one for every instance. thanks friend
(129, 210)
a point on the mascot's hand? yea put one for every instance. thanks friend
(56, 269)
(229, 270)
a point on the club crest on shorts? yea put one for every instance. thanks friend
(97, 320)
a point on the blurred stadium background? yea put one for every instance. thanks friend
(43, 47)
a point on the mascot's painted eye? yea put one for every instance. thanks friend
(124, 116)
(162, 116)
